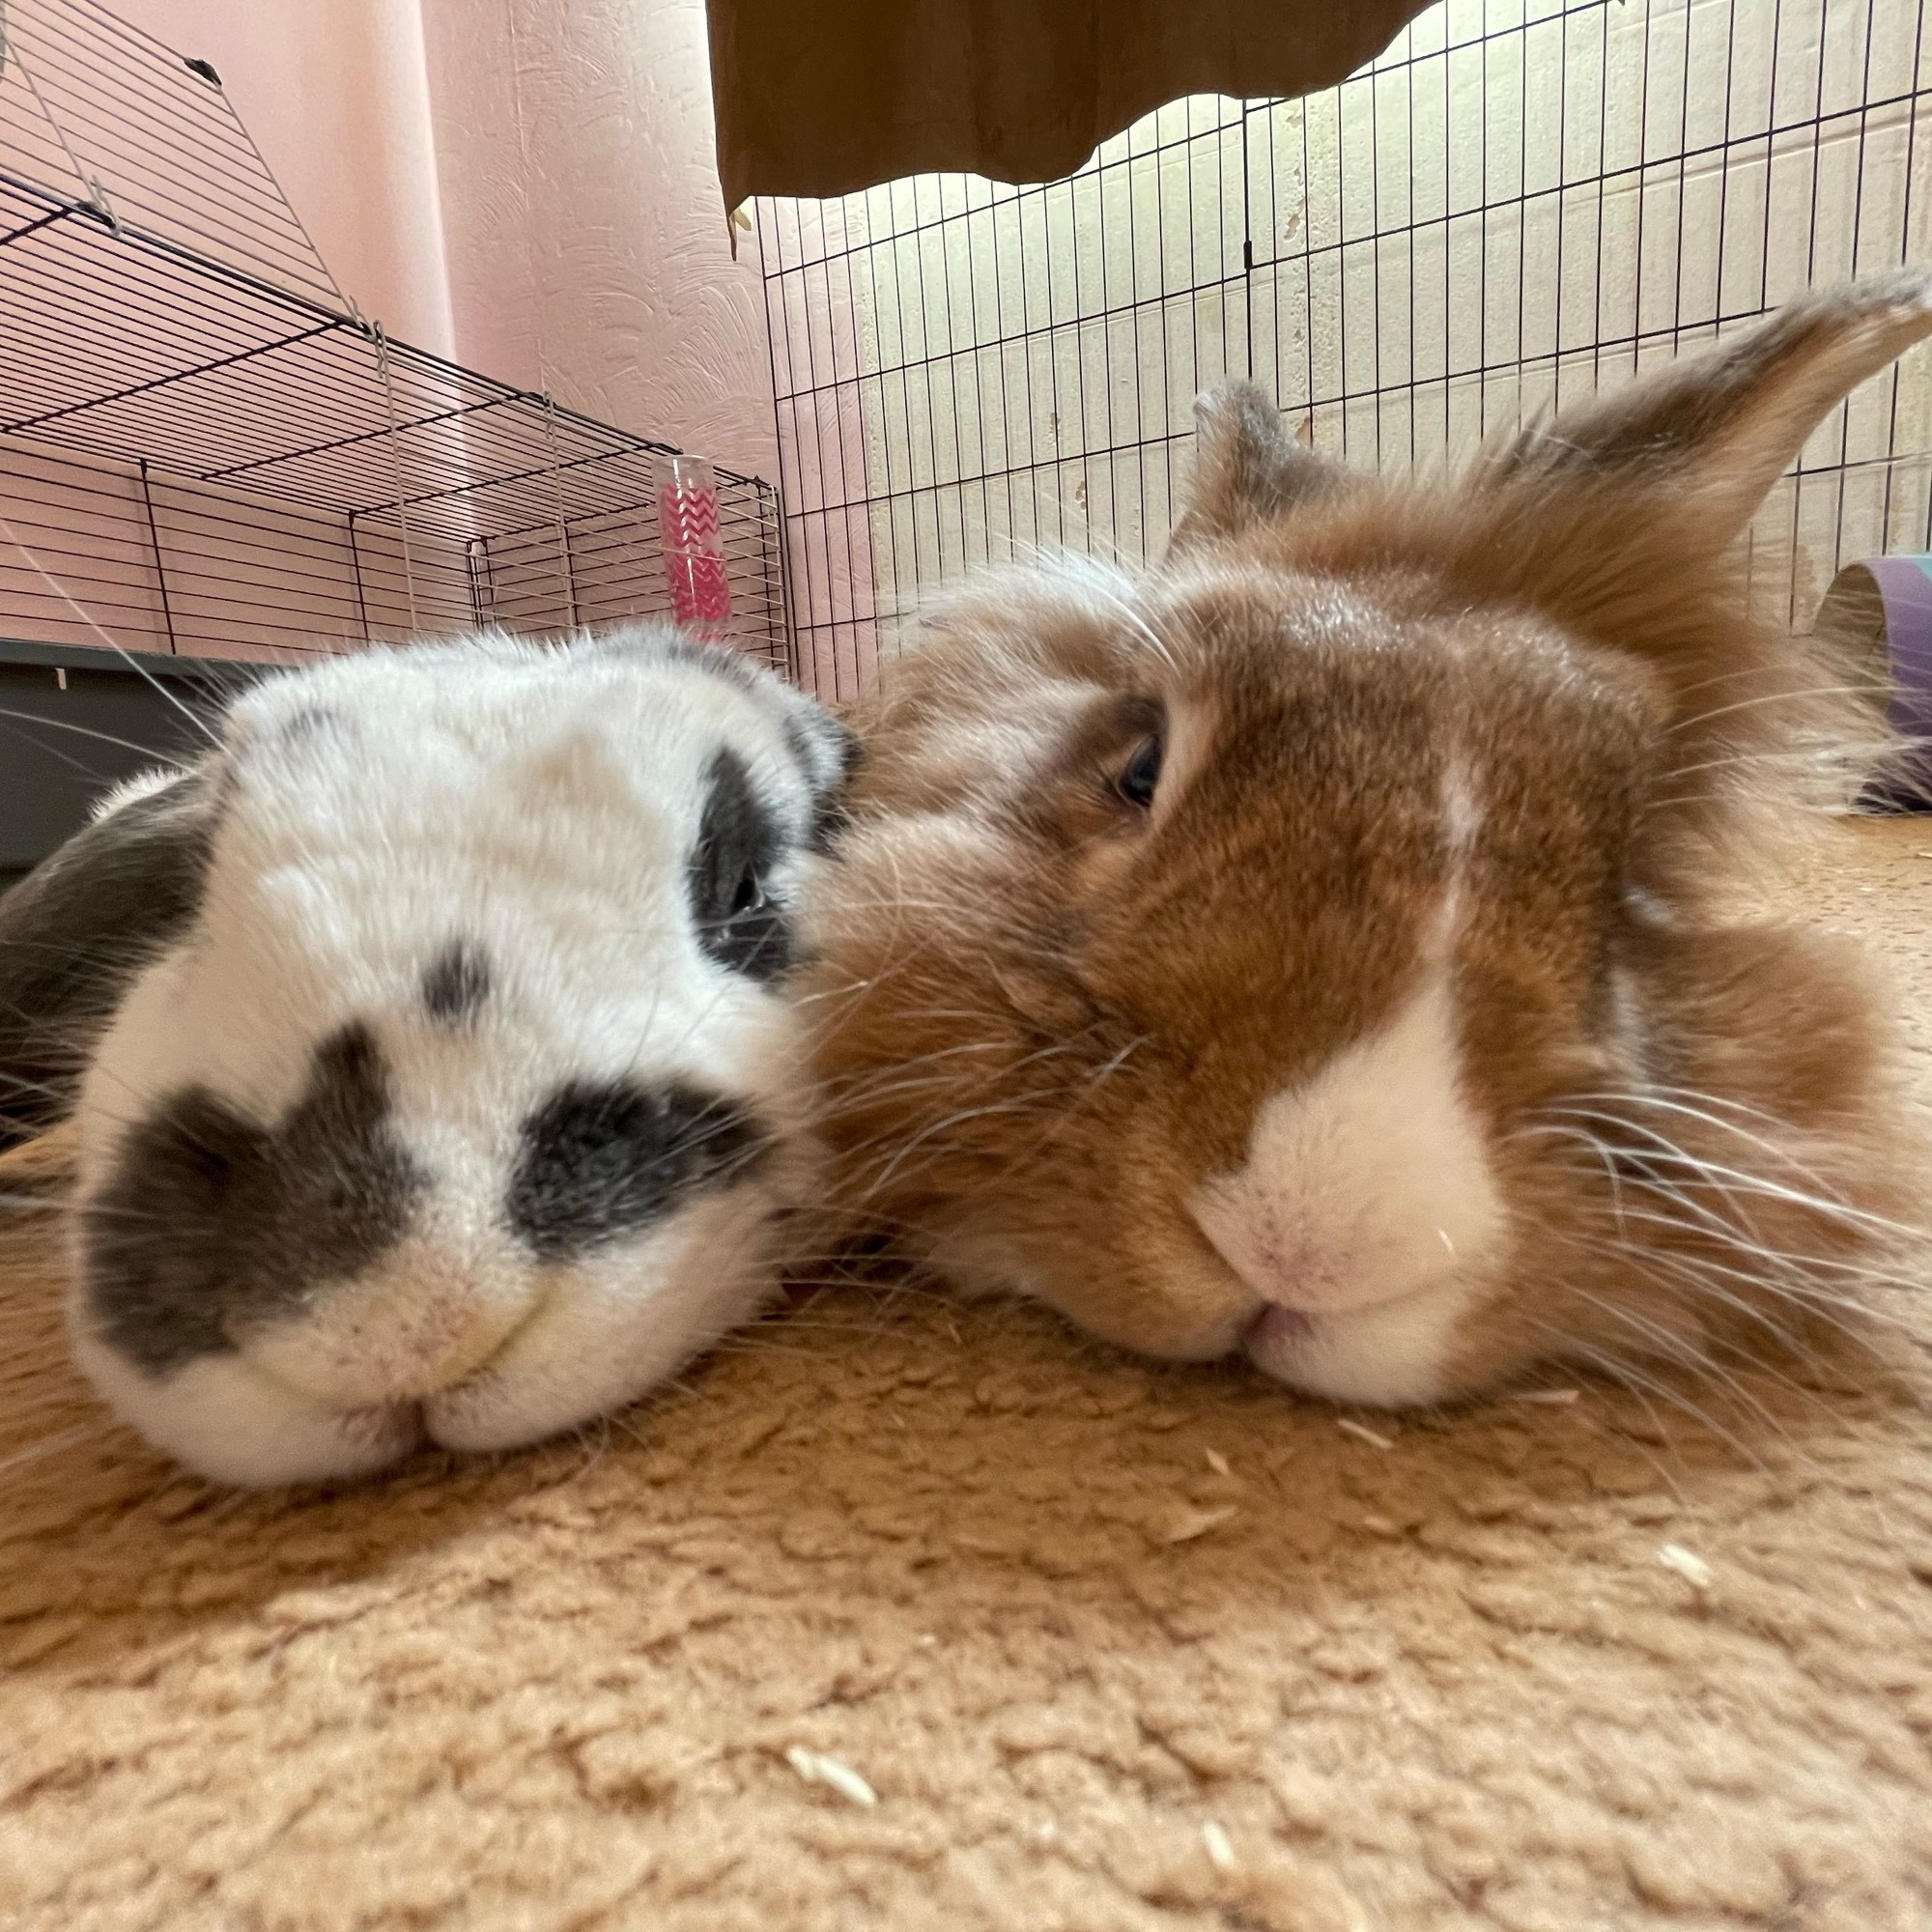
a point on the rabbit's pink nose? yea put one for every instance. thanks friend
(1367, 1183)
(1285, 1254)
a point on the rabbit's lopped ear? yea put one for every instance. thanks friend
(77, 930)
(1702, 442)
(1247, 468)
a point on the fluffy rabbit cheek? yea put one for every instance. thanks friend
(1366, 1217)
(221, 1415)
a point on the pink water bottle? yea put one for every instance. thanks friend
(694, 548)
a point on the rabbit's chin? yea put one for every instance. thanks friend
(1392, 1354)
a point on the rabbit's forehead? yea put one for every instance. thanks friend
(1358, 752)
(539, 781)
(507, 878)
(558, 728)
(1346, 660)
(1353, 791)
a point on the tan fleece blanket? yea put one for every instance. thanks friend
(900, 1614)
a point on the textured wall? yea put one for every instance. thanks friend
(528, 184)
(587, 243)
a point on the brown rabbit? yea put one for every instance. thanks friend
(1331, 947)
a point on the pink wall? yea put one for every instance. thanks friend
(527, 185)
(586, 243)
(337, 96)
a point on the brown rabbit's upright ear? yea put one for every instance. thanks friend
(1620, 519)
(1247, 468)
(1707, 437)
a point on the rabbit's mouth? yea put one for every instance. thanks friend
(1389, 1353)
(1274, 1327)
(402, 1338)
(386, 1431)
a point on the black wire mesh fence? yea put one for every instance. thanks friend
(1519, 201)
(205, 449)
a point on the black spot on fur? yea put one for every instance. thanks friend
(76, 930)
(599, 1163)
(213, 1222)
(739, 843)
(456, 983)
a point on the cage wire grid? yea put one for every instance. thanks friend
(1518, 202)
(206, 448)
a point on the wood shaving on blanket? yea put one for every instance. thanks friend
(1191, 1523)
(815, 1768)
(1362, 1432)
(1219, 1847)
(1688, 1564)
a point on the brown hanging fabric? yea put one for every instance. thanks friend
(823, 97)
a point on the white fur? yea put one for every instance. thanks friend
(226, 1419)
(1461, 810)
(541, 809)
(143, 784)
(1366, 1213)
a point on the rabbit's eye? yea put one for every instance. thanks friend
(1141, 775)
(740, 845)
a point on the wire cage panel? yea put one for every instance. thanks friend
(103, 114)
(1514, 204)
(101, 551)
(204, 449)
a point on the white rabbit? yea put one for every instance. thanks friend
(431, 1072)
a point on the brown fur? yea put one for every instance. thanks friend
(1048, 1017)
